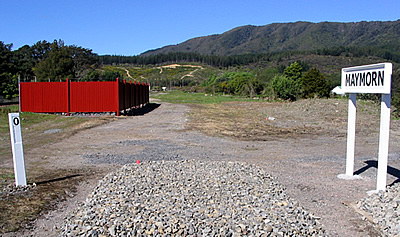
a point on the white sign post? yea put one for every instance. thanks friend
(375, 78)
(383, 143)
(17, 149)
(351, 134)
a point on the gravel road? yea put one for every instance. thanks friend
(306, 169)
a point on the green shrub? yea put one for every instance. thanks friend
(293, 71)
(9, 89)
(285, 88)
(314, 84)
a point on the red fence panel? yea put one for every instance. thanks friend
(93, 96)
(45, 97)
(52, 97)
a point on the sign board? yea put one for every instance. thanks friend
(17, 148)
(375, 78)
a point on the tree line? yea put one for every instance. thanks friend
(391, 53)
(43, 61)
(183, 57)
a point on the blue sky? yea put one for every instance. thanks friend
(132, 27)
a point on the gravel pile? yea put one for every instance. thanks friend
(190, 198)
(11, 189)
(384, 207)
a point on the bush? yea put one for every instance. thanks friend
(9, 86)
(293, 71)
(314, 84)
(235, 83)
(285, 88)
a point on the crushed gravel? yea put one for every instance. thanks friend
(11, 189)
(191, 198)
(384, 208)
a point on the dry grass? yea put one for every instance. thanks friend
(300, 119)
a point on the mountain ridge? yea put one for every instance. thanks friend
(294, 36)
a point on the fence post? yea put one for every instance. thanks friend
(130, 94)
(135, 96)
(19, 93)
(143, 99)
(117, 95)
(68, 98)
(147, 93)
(140, 95)
(124, 96)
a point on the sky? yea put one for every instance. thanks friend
(122, 27)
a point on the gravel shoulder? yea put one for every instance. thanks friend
(306, 167)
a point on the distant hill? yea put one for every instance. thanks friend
(298, 36)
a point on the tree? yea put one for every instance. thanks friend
(110, 75)
(6, 69)
(252, 87)
(10, 89)
(41, 50)
(92, 75)
(285, 88)
(24, 62)
(238, 81)
(83, 59)
(314, 84)
(61, 62)
(293, 71)
(59, 65)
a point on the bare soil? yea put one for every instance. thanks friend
(303, 144)
(52, 186)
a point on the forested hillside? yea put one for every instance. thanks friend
(299, 36)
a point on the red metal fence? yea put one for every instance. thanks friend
(67, 97)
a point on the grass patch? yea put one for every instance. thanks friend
(180, 97)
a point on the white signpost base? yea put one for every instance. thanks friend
(17, 149)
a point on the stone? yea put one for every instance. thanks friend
(190, 198)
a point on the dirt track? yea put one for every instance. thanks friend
(306, 163)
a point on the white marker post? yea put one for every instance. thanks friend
(383, 143)
(351, 134)
(17, 149)
(375, 78)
